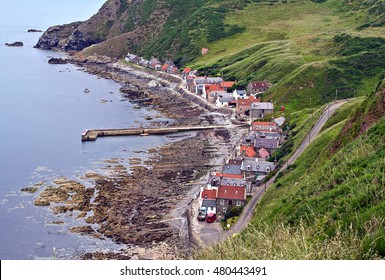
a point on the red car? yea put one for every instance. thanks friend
(211, 218)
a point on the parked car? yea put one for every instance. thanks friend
(202, 216)
(211, 217)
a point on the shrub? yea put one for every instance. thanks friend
(233, 211)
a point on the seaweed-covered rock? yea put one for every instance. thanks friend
(15, 44)
(55, 60)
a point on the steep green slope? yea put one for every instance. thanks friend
(307, 49)
(330, 204)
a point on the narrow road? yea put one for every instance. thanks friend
(248, 211)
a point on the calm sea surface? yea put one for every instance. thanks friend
(43, 111)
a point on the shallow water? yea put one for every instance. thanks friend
(43, 111)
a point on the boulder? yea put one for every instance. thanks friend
(30, 189)
(34, 30)
(55, 60)
(41, 202)
(15, 44)
(83, 230)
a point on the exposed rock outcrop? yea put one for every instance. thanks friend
(33, 30)
(56, 37)
(55, 60)
(15, 44)
(29, 189)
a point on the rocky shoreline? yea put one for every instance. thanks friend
(143, 207)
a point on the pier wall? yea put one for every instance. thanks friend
(93, 134)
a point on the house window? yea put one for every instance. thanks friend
(239, 203)
(222, 202)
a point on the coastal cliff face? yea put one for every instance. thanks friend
(79, 35)
(56, 37)
(161, 28)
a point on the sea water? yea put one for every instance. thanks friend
(43, 111)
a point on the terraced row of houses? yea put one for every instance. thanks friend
(225, 94)
(247, 170)
(215, 89)
(167, 66)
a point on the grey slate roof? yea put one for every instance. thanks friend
(262, 106)
(268, 143)
(257, 165)
(214, 80)
(268, 134)
(209, 203)
(226, 99)
(279, 121)
(233, 182)
(247, 140)
(231, 169)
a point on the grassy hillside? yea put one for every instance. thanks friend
(166, 29)
(328, 205)
(307, 49)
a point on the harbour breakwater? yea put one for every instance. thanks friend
(93, 134)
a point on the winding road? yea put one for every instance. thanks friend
(210, 235)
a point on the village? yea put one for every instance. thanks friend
(230, 187)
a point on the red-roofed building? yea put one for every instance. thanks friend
(228, 85)
(173, 70)
(209, 206)
(209, 194)
(244, 105)
(164, 67)
(190, 82)
(247, 151)
(264, 126)
(214, 180)
(211, 91)
(230, 196)
(186, 72)
(258, 87)
(208, 202)
(263, 153)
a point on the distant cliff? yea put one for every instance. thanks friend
(168, 28)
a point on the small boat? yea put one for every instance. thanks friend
(144, 134)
